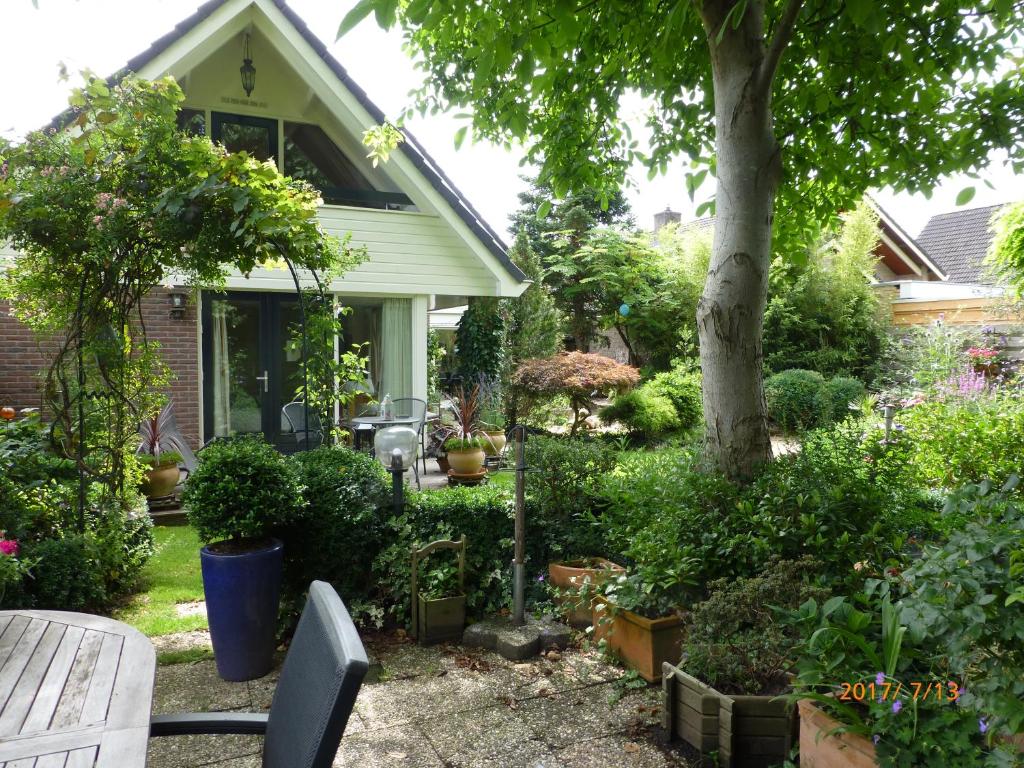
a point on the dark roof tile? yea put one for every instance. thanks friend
(958, 242)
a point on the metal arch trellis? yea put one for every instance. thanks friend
(82, 380)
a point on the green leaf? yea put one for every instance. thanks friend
(460, 136)
(544, 209)
(357, 14)
(965, 196)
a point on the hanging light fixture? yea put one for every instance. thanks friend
(247, 69)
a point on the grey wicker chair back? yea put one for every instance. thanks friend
(319, 682)
(294, 414)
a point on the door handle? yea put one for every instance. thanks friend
(265, 378)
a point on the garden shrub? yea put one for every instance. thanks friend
(483, 514)
(969, 596)
(835, 397)
(737, 640)
(673, 524)
(67, 574)
(242, 488)
(562, 490)
(681, 385)
(644, 411)
(955, 440)
(341, 528)
(793, 399)
(844, 498)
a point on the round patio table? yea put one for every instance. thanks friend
(362, 424)
(75, 690)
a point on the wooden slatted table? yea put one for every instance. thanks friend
(75, 691)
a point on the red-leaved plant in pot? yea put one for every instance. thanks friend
(161, 449)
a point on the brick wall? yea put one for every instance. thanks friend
(24, 358)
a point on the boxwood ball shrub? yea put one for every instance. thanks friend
(341, 528)
(794, 399)
(682, 386)
(643, 411)
(242, 488)
(835, 397)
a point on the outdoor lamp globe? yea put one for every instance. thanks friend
(404, 439)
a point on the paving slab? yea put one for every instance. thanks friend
(182, 751)
(403, 746)
(616, 750)
(196, 687)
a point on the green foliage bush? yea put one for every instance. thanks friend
(562, 490)
(643, 411)
(835, 397)
(483, 514)
(67, 574)
(737, 640)
(682, 385)
(955, 440)
(341, 529)
(969, 598)
(793, 398)
(242, 488)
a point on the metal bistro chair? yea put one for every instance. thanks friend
(294, 415)
(321, 677)
(413, 407)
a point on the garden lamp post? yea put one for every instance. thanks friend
(396, 449)
(518, 562)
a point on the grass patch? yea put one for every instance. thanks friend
(171, 576)
(187, 656)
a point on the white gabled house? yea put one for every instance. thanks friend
(427, 247)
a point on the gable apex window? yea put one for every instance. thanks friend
(311, 155)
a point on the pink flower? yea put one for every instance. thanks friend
(9, 547)
(97, 220)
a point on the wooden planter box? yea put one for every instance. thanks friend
(644, 644)
(746, 731)
(820, 748)
(441, 619)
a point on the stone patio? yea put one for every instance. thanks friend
(446, 706)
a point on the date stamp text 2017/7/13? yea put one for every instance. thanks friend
(936, 690)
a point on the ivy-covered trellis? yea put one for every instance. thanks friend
(114, 203)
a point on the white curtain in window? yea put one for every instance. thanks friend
(396, 349)
(221, 371)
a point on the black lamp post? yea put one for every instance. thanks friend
(247, 70)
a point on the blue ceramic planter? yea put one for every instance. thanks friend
(242, 594)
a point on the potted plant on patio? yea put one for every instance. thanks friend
(465, 449)
(439, 593)
(241, 491)
(465, 455)
(575, 582)
(160, 452)
(641, 621)
(724, 695)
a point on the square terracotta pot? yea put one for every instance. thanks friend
(571, 575)
(644, 644)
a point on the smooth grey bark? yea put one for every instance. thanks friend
(730, 313)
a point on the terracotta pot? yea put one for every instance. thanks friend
(644, 644)
(494, 443)
(572, 575)
(160, 481)
(466, 462)
(821, 748)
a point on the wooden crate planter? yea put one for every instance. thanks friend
(644, 644)
(821, 748)
(435, 620)
(745, 731)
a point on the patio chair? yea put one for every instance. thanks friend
(294, 416)
(415, 408)
(321, 677)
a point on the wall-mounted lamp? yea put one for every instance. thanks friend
(247, 70)
(178, 302)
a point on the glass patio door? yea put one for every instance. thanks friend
(252, 364)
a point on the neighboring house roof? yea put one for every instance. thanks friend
(411, 148)
(959, 241)
(900, 251)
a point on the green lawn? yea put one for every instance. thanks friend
(171, 577)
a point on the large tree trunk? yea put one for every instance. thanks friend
(730, 312)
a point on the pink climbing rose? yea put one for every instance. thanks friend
(9, 547)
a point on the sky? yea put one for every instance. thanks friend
(101, 35)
